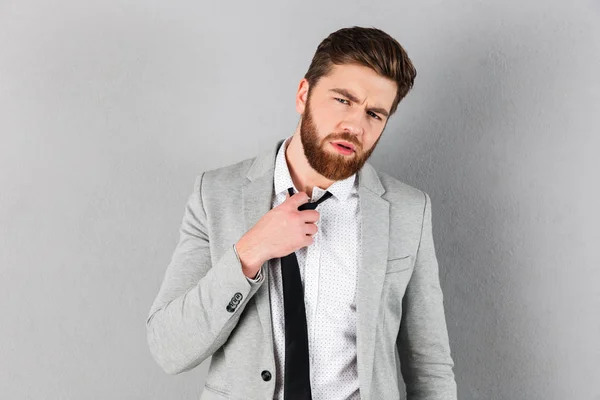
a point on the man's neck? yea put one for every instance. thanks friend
(302, 174)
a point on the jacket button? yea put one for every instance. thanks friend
(266, 375)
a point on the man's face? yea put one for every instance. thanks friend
(348, 105)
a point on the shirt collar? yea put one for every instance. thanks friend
(282, 179)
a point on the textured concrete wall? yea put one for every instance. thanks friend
(109, 109)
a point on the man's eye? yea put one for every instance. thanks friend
(374, 115)
(341, 100)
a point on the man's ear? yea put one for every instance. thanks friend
(301, 96)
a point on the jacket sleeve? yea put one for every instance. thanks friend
(423, 346)
(200, 300)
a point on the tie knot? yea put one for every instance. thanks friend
(311, 206)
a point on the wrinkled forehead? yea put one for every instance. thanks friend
(363, 82)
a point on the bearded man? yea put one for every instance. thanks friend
(304, 272)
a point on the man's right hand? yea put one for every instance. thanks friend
(278, 233)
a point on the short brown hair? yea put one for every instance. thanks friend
(370, 47)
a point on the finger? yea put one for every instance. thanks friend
(300, 198)
(310, 229)
(310, 215)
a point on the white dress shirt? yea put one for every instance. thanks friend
(328, 268)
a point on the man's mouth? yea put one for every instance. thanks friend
(343, 149)
(345, 145)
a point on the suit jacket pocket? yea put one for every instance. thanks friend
(398, 264)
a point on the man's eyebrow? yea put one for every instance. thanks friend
(353, 98)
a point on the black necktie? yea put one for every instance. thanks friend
(297, 373)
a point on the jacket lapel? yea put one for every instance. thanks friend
(371, 273)
(257, 194)
(257, 198)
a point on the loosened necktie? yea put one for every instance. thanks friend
(297, 372)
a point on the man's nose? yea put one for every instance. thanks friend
(353, 123)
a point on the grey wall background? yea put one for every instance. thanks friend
(109, 109)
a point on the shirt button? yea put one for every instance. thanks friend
(266, 375)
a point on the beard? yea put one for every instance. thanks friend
(333, 166)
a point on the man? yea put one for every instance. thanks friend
(298, 302)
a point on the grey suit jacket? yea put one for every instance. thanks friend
(206, 306)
